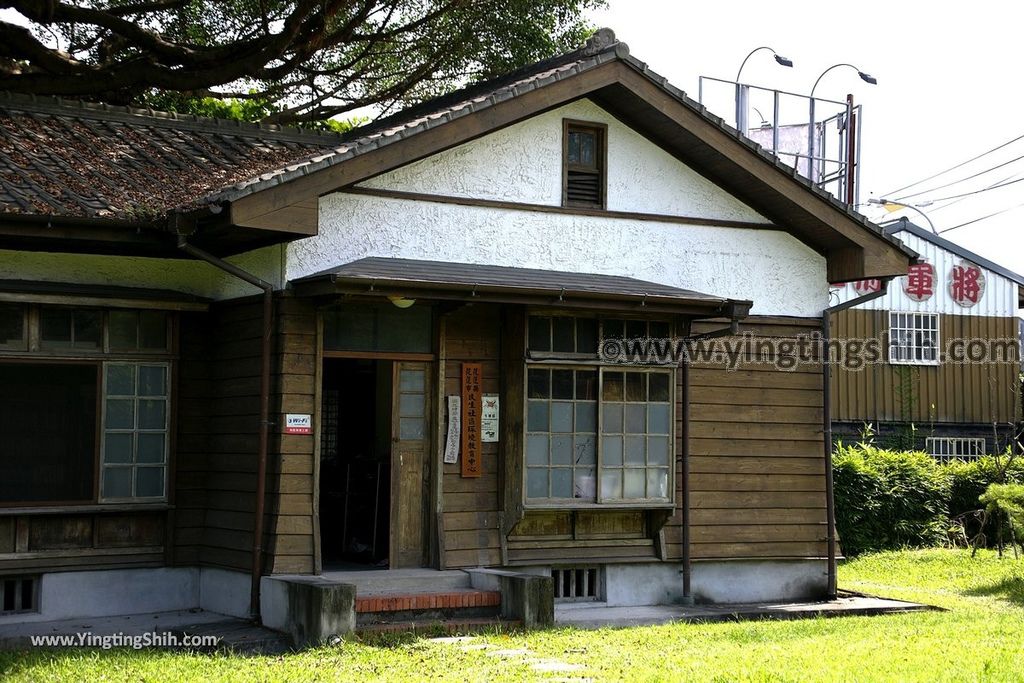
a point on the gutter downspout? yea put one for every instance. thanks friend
(826, 387)
(261, 461)
(685, 390)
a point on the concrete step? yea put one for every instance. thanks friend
(455, 599)
(401, 581)
(448, 627)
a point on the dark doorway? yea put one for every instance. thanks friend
(355, 463)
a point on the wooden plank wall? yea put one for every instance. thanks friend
(218, 437)
(757, 488)
(469, 506)
(947, 393)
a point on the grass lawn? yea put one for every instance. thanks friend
(981, 637)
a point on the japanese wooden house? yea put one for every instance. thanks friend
(228, 351)
(947, 378)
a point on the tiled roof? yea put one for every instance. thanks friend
(79, 159)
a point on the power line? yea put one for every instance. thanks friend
(957, 182)
(953, 168)
(999, 182)
(997, 213)
(984, 189)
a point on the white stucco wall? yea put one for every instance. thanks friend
(778, 273)
(523, 163)
(182, 275)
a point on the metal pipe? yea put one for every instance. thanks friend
(264, 425)
(832, 587)
(851, 149)
(685, 390)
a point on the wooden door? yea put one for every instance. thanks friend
(410, 441)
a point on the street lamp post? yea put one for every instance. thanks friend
(741, 91)
(889, 202)
(867, 78)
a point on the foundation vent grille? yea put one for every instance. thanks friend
(576, 584)
(19, 594)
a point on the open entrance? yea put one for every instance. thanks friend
(373, 473)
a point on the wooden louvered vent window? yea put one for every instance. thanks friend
(584, 163)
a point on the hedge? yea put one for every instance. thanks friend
(895, 499)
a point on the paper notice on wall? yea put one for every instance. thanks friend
(451, 444)
(489, 418)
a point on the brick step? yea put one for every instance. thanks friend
(405, 602)
(440, 627)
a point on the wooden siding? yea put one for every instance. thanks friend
(757, 469)
(218, 437)
(946, 393)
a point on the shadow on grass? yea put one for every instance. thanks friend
(1010, 589)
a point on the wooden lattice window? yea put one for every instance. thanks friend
(584, 163)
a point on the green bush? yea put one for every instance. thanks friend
(969, 480)
(1007, 499)
(888, 499)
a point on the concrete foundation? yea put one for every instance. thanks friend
(525, 597)
(310, 609)
(115, 592)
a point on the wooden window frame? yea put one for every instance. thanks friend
(33, 353)
(573, 362)
(601, 161)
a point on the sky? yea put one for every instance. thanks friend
(948, 90)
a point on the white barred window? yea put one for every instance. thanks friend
(914, 338)
(955, 448)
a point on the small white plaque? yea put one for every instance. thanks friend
(489, 418)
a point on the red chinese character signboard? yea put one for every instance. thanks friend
(471, 415)
(867, 286)
(966, 284)
(920, 282)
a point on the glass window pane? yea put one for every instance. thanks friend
(152, 413)
(536, 483)
(587, 144)
(636, 386)
(658, 418)
(573, 148)
(635, 484)
(55, 327)
(561, 450)
(635, 451)
(586, 417)
(539, 334)
(611, 484)
(611, 450)
(585, 450)
(12, 326)
(152, 380)
(412, 380)
(88, 329)
(612, 390)
(153, 330)
(586, 335)
(561, 483)
(657, 450)
(561, 416)
(562, 384)
(586, 385)
(411, 405)
(123, 330)
(636, 329)
(537, 416)
(151, 447)
(538, 384)
(636, 418)
(537, 449)
(612, 418)
(117, 448)
(658, 330)
(120, 380)
(149, 482)
(659, 386)
(117, 482)
(584, 485)
(563, 334)
(120, 413)
(657, 483)
(412, 428)
(613, 329)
